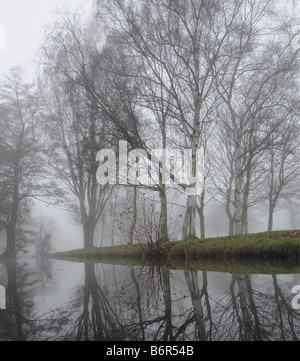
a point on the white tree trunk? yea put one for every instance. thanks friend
(189, 225)
(238, 188)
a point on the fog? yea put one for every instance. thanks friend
(25, 23)
(106, 108)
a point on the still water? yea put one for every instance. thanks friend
(60, 300)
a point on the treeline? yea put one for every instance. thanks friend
(159, 74)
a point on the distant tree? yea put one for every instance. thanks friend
(256, 80)
(281, 167)
(74, 125)
(21, 163)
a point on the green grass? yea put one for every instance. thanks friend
(259, 246)
(276, 251)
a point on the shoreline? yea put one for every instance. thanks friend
(281, 248)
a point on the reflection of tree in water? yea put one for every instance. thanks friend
(242, 313)
(201, 318)
(11, 319)
(43, 263)
(20, 321)
(144, 308)
(245, 323)
(98, 319)
(250, 314)
(288, 319)
(151, 300)
(152, 287)
(150, 303)
(107, 315)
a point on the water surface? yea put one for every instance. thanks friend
(60, 300)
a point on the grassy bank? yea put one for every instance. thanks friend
(280, 246)
(215, 265)
(284, 245)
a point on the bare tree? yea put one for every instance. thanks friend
(254, 84)
(74, 121)
(178, 44)
(21, 163)
(281, 167)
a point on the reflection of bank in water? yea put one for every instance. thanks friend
(2, 298)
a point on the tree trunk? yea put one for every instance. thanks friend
(229, 215)
(238, 189)
(231, 227)
(11, 226)
(247, 186)
(270, 220)
(164, 236)
(228, 205)
(134, 215)
(11, 241)
(201, 215)
(88, 222)
(202, 225)
(238, 206)
(246, 199)
(13, 295)
(88, 234)
(189, 227)
(163, 221)
(271, 195)
(245, 221)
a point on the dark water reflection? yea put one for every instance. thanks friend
(56, 300)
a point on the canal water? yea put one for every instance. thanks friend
(60, 300)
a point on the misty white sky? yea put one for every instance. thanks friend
(24, 21)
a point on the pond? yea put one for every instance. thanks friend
(59, 300)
